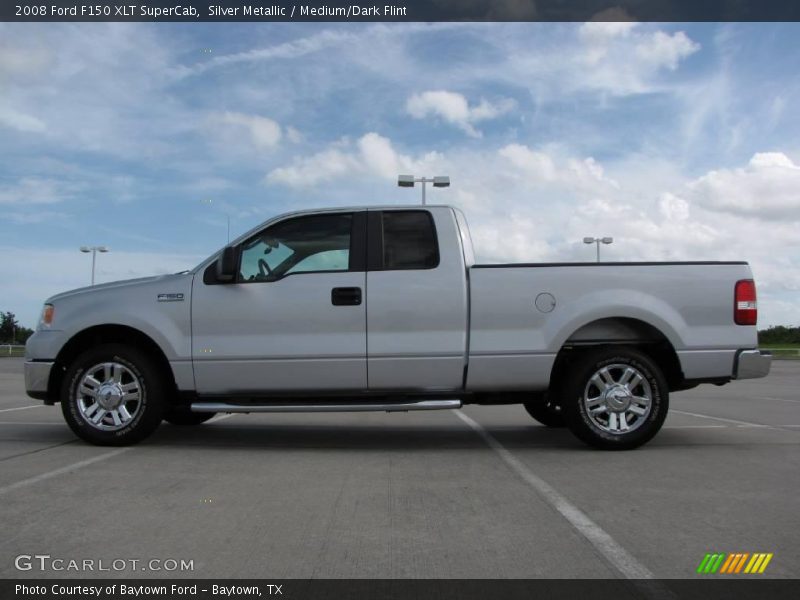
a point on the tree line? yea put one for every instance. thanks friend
(11, 332)
(780, 334)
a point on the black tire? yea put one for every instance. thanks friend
(136, 369)
(544, 410)
(598, 429)
(182, 416)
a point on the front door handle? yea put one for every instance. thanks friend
(346, 296)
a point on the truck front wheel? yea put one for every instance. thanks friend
(615, 398)
(113, 395)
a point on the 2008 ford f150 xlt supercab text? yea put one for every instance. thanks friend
(385, 309)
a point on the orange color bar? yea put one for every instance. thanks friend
(741, 562)
(727, 563)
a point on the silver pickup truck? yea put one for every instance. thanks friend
(385, 309)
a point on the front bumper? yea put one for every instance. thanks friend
(37, 376)
(751, 364)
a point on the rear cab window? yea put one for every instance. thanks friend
(409, 240)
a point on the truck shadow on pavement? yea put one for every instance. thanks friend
(356, 437)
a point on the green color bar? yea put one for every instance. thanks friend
(703, 563)
(718, 564)
(711, 562)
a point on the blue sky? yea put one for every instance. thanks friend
(680, 141)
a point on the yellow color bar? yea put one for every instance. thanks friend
(765, 563)
(753, 562)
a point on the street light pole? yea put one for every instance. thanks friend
(410, 180)
(598, 241)
(94, 250)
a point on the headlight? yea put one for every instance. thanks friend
(48, 312)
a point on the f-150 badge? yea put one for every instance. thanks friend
(170, 297)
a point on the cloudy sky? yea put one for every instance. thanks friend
(680, 141)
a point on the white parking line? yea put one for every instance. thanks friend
(22, 407)
(56, 472)
(734, 421)
(778, 399)
(620, 558)
(62, 424)
(220, 418)
(75, 466)
(695, 427)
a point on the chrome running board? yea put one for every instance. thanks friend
(224, 407)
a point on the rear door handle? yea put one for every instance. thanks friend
(346, 296)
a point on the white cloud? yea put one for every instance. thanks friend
(31, 190)
(536, 165)
(664, 50)
(673, 208)
(621, 58)
(22, 56)
(20, 121)
(540, 167)
(371, 155)
(309, 171)
(600, 33)
(454, 109)
(298, 48)
(263, 132)
(293, 135)
(768, 188)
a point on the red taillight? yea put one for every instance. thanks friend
(745, 308)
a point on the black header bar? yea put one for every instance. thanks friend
(399, 10)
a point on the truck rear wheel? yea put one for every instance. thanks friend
(182, 416)
(544, 410)
(113, 395)
(615, 398)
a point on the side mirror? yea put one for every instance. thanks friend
(227, 264)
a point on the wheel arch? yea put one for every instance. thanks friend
(104, 334)
(621, 331)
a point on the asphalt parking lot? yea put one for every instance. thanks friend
(418, 495)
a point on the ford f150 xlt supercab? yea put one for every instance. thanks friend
(385, 309)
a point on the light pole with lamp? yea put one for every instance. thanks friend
(440, 181)
(598, 241)
(94, 250)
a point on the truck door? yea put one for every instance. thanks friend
(294, 319)
(416, 301)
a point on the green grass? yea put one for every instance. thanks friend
(781, 351)
(4, 353)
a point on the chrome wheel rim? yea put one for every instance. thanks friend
(618, 398)
(109, 396)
